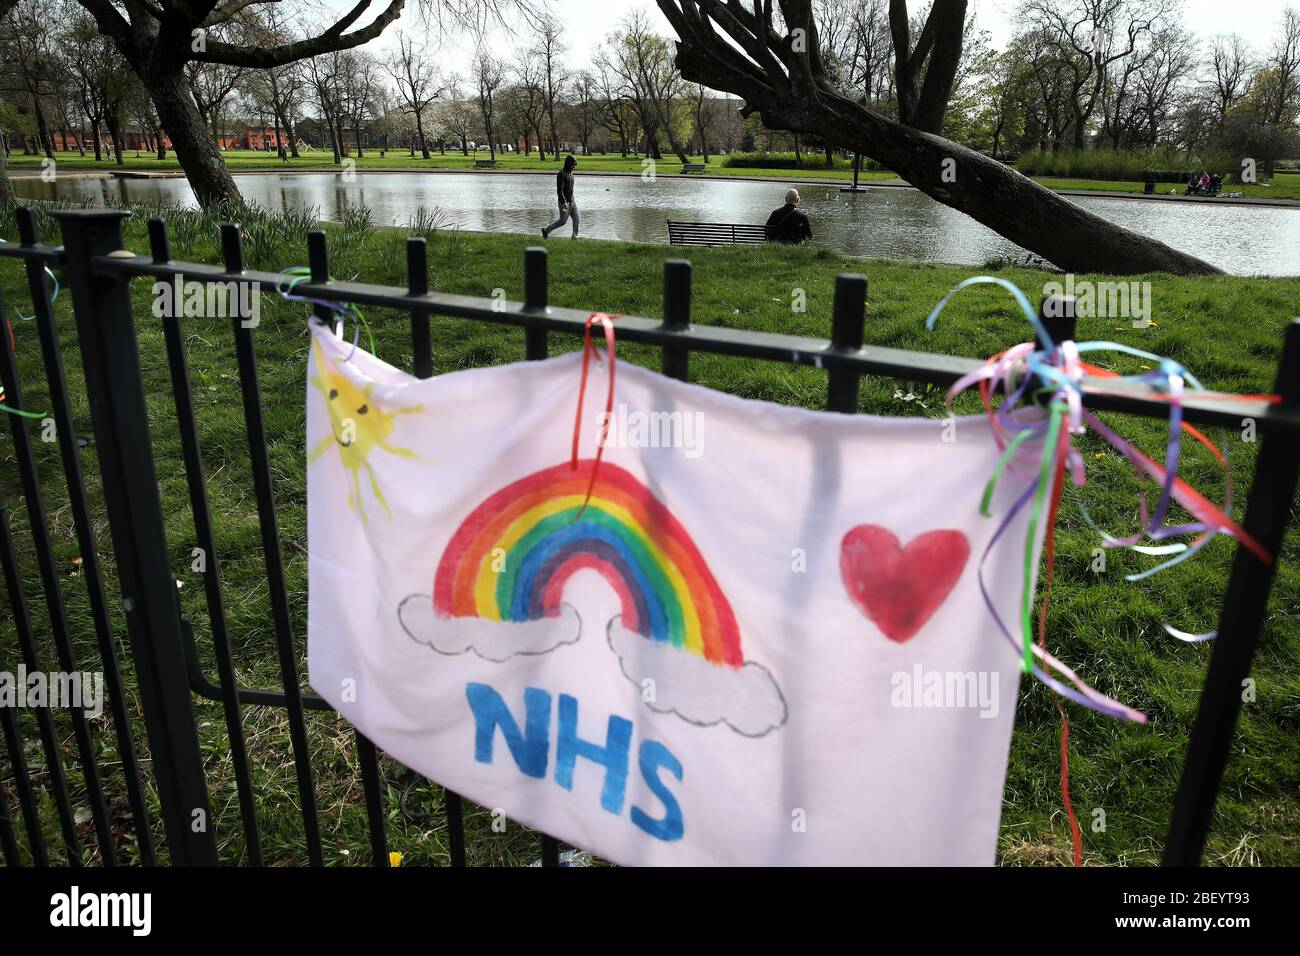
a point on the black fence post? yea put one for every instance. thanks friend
(677, 315)
(1268, 512)
(535, 300)
(1058, 314)
(848, 332)
(111, 359)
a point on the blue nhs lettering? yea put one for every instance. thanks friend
(529, 746)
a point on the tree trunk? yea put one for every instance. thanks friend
(7, 198)
(993, 194)
(419, 128)
(42, 131)
(356, 132)
(115, 134)
(195, 150)
(99, 149)
(335, 146)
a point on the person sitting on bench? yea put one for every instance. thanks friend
(789, 224)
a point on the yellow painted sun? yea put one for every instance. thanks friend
(357, 427)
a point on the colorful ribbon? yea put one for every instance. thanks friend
(301, 274)
(1036, 447)
(9, 408)
(54, 298)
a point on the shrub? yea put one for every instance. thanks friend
(809, 160)
(1115, 164)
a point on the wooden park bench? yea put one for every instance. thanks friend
(693, 167)
(485, 164)
(726, 234)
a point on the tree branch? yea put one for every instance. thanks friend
(331, 41)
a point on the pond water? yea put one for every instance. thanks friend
(890, 223)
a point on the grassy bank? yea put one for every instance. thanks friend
(402, 159)
(1282, 186)
(1225, 329)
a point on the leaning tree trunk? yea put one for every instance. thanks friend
(986, 190)
(994, 194)
(419, 131)
(42, 130)
(194, 146)
(115, 135)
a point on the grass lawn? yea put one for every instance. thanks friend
(1283, 186)
(402, 159)
(1227, 330)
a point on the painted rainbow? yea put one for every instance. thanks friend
(511, 558)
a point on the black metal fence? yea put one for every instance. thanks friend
(98, 270)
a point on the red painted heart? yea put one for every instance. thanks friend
(900, 588)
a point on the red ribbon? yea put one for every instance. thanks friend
(588, 350)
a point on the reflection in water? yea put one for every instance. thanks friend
(881, 223)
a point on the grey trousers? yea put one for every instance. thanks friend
(564, 217)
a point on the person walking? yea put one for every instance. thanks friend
(564, 192)
(789, 224)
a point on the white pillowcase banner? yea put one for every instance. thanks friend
(760, 641)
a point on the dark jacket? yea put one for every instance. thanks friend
(564, 186)
(788, 224)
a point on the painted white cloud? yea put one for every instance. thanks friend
(491, 640)
(745, 698)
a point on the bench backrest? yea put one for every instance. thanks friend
(726, 233)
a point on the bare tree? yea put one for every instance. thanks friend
(585, 111)
(458, 116)
(549, 48)
(529, 98)
(1230, 66)
(1284, 63)
(619, 110)
(29, 55)
(211, 84)
(727, 47)
(703, 116)
(324, 74)
(417, 83)
(488, 78)
(1090, 36)
(361, 84)
(160, 37)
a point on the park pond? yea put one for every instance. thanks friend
(883, 222)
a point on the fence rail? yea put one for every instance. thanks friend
(98, 271)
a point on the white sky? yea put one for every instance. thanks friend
(588, 22)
